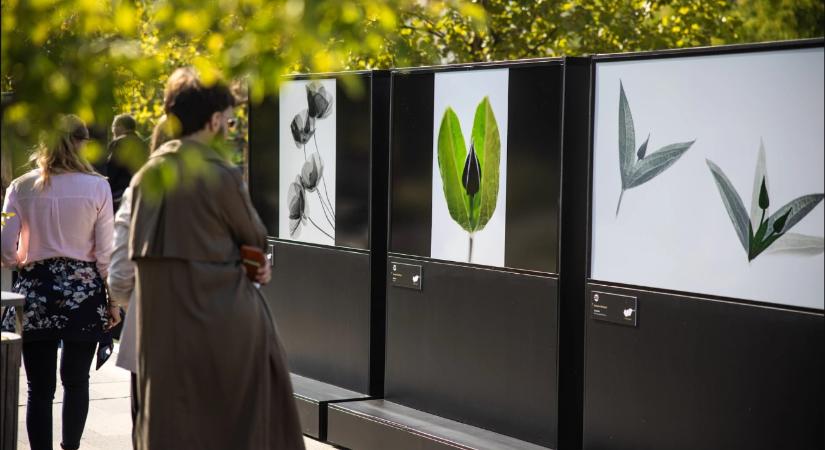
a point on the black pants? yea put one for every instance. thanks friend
(40, 361)
(135, 402)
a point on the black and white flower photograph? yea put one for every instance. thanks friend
(307, 161)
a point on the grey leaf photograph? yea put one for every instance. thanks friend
(759, 231)
(636, 165)
(718, 184)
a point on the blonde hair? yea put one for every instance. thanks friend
(62, 155)
(164, 132)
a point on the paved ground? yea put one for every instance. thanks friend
(109, 424)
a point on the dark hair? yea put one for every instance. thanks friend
(192, 103)
(125, 122)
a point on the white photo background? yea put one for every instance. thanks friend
(307, 151)
(705, 223)
(470, 166)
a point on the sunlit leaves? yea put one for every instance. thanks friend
(97, 58)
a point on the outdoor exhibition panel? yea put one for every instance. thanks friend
(474, 272)
(705, 293)
(312, 150)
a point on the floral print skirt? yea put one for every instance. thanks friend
(65, 299)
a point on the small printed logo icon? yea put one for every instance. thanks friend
(628, 312)
(415, 278)
(394, 269)
(596, 298)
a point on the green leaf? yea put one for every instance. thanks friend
(451, 155)
(487, 143)
(764, 200)
(655, 163)
(733, 204)
(759, 176)
(627, 138)
(760, 246)
(799, 208)
(779, 225)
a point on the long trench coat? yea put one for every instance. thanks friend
(212, 371)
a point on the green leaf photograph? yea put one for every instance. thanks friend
(470, 173)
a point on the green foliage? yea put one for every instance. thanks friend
(780, 19)
(97, 58)
(507, 29)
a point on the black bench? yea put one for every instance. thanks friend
(312, 398)
(381, 425)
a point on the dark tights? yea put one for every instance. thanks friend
(40, 360)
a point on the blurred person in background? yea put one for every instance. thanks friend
(122, 273)
(127, 152)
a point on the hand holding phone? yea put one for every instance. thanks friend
(255, 263)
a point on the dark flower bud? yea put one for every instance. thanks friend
(297, 206)
(302, 127)
(764, 201)
(311, 172)
(643, 148)
(319, 100)
(471, 176)
(780, 222)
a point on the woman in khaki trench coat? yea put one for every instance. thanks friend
(211, 370)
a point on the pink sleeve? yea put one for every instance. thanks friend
(104, 229)
(11, 232)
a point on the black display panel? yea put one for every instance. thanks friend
(476, 346)
(411, 163)
(533, 187)
(341, 210)
(263, 162)
(529, 100)
(697, 373)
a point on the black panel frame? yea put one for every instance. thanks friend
(570, 267)
(432, 70)
(676, 53)
(264, 147)
(373, 175)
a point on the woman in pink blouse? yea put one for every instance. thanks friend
(60, 242)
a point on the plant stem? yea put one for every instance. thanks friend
(305, 151)
(324, 208)
(470, 252)
(319, 228)
(620, 203)
(323, 180)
